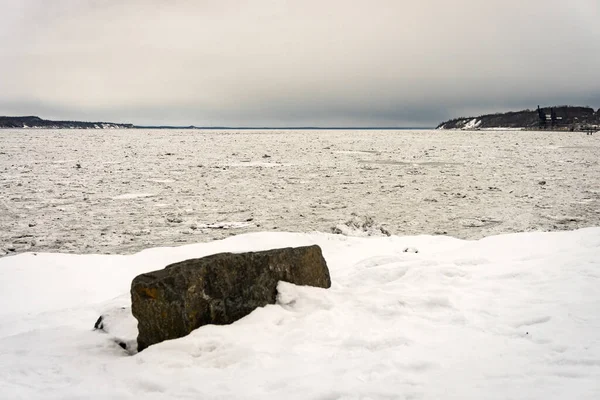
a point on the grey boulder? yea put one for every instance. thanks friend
(218, 289)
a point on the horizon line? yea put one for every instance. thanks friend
(247, 127)
(135, 126)
(308, 127)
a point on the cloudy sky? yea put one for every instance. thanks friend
(292, 62)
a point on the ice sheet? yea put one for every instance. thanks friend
(81, 190)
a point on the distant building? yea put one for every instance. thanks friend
(552, 117)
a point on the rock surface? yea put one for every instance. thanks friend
(218, 289)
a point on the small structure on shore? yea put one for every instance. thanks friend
(544, 118)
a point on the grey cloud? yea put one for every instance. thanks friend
(268, 62)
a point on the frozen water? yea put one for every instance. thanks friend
(119, 191)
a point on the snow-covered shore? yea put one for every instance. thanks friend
(510, 316)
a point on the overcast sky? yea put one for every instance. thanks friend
(295, 62)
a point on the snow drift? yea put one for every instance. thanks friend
(510, 316)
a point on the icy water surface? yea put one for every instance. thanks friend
(119, 191)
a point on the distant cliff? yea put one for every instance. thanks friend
(551, 118)
(36, 122)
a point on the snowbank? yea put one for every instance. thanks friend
(510, 316)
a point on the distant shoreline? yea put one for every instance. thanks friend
(238, 128)
(33, 122)
(557, 118)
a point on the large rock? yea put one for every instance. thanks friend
(218, 289)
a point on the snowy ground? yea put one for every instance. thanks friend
(506, 317)
(120, 191)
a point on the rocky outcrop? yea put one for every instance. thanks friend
(218, 289)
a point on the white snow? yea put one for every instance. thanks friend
(224, 225)
(360, 227)
(359, 152)
(158, 180)
(129, 196)
(472, 124)
(257, 164)
(505, 317)
(501, 129)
